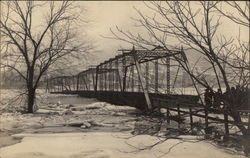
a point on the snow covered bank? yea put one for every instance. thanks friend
(94, 129)
(107, 145)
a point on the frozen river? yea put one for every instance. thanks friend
(94, 129)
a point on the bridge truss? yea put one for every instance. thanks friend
(133, 71)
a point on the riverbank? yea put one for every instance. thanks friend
(92, 129)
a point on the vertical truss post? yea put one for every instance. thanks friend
(168, 74)
(80, 83)
(66, 83)
(47, 84)
(141, 80)
(88, 80)
(53, 85)
(105, 78)
(84, 82)
(156, 76)
(62, 83)
(124, 68)
(113, 76)
(48, 80)
(77, 82)
(119, 81)
(50, 84)
(70, 83)
(116, 74)
(147, 75)
(74, 80)
(71, 86)
(110, 76)
(138, 81)
(101, 79)
(73, 83)
(102, 75)
(83, 77)
(58, 85)
(96, 78)
(133, 76)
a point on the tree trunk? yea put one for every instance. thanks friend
(31, 100)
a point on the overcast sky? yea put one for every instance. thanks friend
(107, 14)
(104, 15)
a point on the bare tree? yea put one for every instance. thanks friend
(239, 12)
(195, 25)
(238, 61)
(33, 45)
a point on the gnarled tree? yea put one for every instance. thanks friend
(36, 35)
(196, 27)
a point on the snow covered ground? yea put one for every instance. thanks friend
(107, 145)
(90, 129)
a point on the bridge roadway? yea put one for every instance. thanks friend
(137, 99)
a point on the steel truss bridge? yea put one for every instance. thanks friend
(138, 77)
(145, 79)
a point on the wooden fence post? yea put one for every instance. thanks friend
(168, 114)
(191, 118)
(226, 123)
(179, 115)
(77, 83)
(156, 76)
(206, 119)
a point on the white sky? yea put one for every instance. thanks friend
(107, 14)
(104, 15)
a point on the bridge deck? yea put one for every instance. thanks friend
(137, 99)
